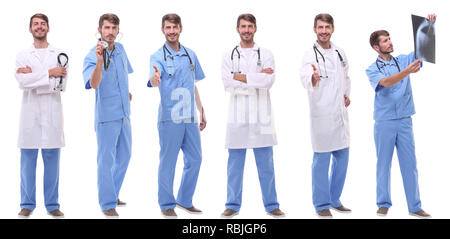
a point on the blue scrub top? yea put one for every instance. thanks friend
(393, 102)
(177, 83)
(112, 100)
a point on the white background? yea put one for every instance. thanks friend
(285, 27)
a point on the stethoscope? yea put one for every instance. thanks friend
(323, 59)
(61, 63)
(191, 64)
(259, 63)
(398, 68)
(384, 65)
(106, 56)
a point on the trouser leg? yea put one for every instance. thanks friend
(51, 177)
(266, 174)
(192, 152)
(385, 134)
(235, 174)
(28, 159)
(338, 174)
(320, 181)
(408, 166)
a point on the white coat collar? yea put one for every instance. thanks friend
(255, 46)
(333, 47)
(49, 47)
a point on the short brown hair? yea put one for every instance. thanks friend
(324, 17)
(375, 35)
(40, 16)
(246, 16)
(171, 17)
(110, 17)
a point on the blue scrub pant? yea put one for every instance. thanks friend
(264, 163)
(327, 186)
(113, 156)
(28, 159)
(172, 138)
(389, 134)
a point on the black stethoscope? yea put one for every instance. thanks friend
(323, 59)
(398, 68)
(62, 63)
(259, 63)
(106, 61)
(384, 65)
(191, 65)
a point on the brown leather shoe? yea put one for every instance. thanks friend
(25, 213)
(276, 213)
(192, 210)
(121, 203)
(420, 214)
(325, 213)
(56, 213)
(229, 213)
(382, 211)
(342, 209)
(169, 213)
(111, 213)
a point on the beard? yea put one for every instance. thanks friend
(387, 51)
(105, 38)
(40, 38)
(247, 40)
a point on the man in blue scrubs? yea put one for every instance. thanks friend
(394, 106)
(107, 73)
(175, 69)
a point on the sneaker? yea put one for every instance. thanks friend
(169, 213)
(25, 213)
(229, 213)
(325, 213)
(342, 209)
(191, 210)
(420, 214)
(276, 213)
(382, 211)
(111, 213)
(56, 213)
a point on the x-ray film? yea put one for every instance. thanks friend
(424, 39)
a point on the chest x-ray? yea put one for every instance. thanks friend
(424, 39)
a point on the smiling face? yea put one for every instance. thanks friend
(246, 31)
(109, 31)
(171, 31)
(323, 30)
(39, 28)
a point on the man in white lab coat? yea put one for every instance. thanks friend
(248, 74)
(41, 119)
(324, 74)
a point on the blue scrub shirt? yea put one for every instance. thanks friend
(177, 83)
(112, 100)
(393, 102)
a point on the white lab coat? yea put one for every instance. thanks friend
(41, 117)
(329, 118)
(250, 120)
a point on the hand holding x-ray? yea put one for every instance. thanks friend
(424, 37)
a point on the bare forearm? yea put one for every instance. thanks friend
(393, 79)
(96, 77)
(198, 102)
